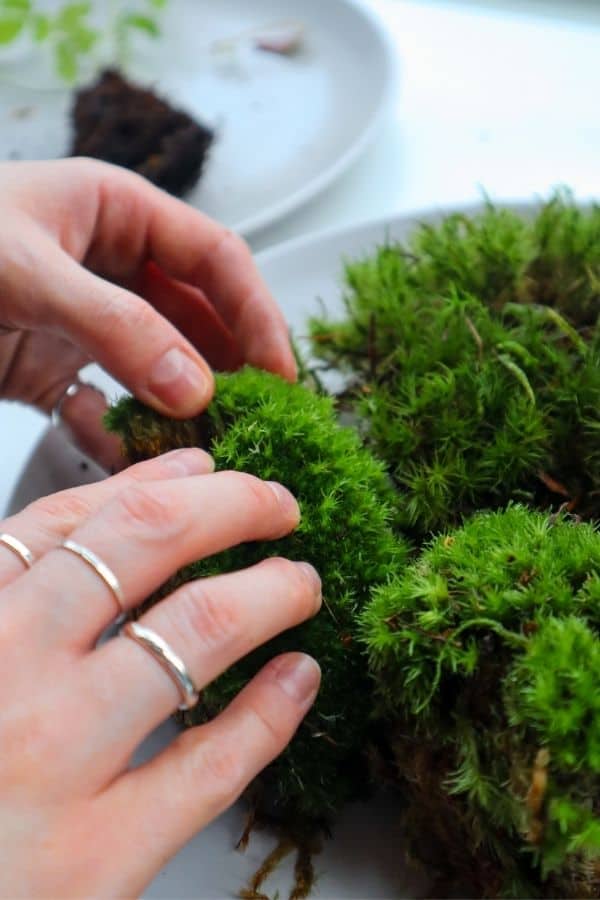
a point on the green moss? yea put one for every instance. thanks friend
(260, 424)
(472, 356)
(474, 362)
(485, 651)
(556, 687)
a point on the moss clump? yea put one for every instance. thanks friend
(260, 424)
(472, 358)
(474, 362)
(486, 658)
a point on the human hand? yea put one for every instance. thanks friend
(75, 822)
(97, 264)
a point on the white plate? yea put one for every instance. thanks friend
(364, 859)
(286, 126)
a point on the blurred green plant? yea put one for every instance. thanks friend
(72, 30)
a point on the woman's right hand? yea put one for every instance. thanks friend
(74, 819)
(97, 264)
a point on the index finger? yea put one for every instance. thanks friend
(191, 247)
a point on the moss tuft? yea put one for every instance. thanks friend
(486, 652)
(260, 424)
(474, 362)
(472, 356)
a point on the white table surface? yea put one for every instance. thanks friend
(491, 95)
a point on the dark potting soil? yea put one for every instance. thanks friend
(132, 127)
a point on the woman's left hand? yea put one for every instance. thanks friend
(75, 819)
(96, 264)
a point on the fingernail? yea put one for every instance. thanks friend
(298, 676)
(284, 498)
(312, 576)
(178, 381)
(180, 463)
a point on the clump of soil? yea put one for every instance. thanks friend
(131, 126)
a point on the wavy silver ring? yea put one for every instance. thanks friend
(100, 568)
(172, 664)
(18, 548)
(70, 391)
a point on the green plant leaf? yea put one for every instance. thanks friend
(66, 60)
(16, 6)
(142, 23)
(157, 4)
(70, 16)
(10, 28)
(83, 39)
(41, 26)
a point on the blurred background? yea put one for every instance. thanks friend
(498, 96)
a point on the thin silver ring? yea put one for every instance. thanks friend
(172, 664)
(70, 391)
(100, 568)
(18, 548)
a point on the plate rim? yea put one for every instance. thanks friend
(413, 216)
(257, 222)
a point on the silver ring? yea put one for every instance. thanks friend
(172, 664)
(70, 391)
(100, 568)
(18, 548)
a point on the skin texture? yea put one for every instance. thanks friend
(97, 264)
(71, 714)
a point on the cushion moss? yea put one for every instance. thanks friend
(485, 651)
(473, 354)
(260, 424)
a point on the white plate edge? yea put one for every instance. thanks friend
(416, 215)
(252, 225)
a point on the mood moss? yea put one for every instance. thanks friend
(260, 424)
(473, 357)
(472, 663)
(486, 658)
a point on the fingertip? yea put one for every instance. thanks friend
(298, 676)
(279, 359)
(287, 502)
(179, 384)
(289, 367)
(186, 462)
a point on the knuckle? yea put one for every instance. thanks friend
(229, 242)
(104, 178)
(224, 248)
(211, 619)
(20, 258)
(298, 591)
(141, 507)
(84, 165)
(120, 312)
(30, 738)
(139, 472)
(254, 489)
(219, 764)
(61, 512)
(225, 768)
